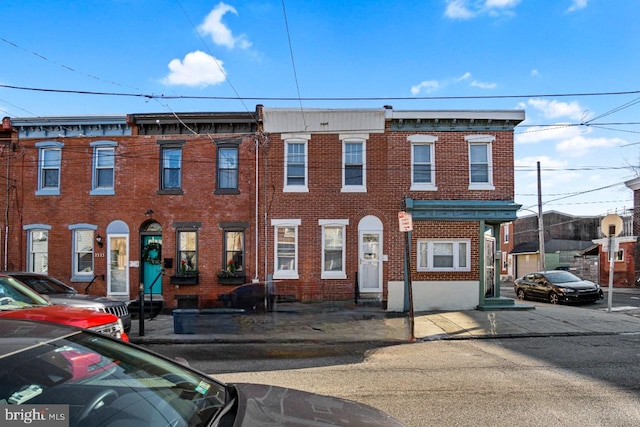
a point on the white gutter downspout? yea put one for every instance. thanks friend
(255, 275)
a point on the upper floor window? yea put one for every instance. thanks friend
(353, 165)
(171, 167)
(286, 248)
(333, 250)
(49, 165)
(505, 232)
(423, 162)
(37, 248)
(103, 167)
(82, 262)
(480, 162)
(296, 165)
(444, 255)
(187, 252)
(227, 167)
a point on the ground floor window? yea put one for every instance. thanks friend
(444, 255)
(38, 250)
(286, 249)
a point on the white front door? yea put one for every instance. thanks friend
(370, 255)
(117, 264)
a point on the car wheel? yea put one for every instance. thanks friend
(521, 294)
(553, 298)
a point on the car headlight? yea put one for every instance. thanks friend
(566, 290)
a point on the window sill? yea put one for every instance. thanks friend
(48, 192)
(481, 187)
(354, 189)
(173, 191)
(423, 187)
(286, 275)
(102, 192)
(295, 189)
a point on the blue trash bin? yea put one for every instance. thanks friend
(184, 321)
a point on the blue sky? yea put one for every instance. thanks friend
(572, 65)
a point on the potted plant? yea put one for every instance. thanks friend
(186, 275)
(230, 275)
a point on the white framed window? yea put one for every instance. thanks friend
(480, 162)
(82, 248)
(49, 165)
(619, 256)
(286, 248)
(103, 168)
(296, 167)
(505, 233)
(333, 248)
(354, 170)
(423, 162)
(444, 255)
(37, 248)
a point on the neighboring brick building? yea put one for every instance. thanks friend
(106, 202)
(507, 245)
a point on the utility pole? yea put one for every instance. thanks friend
(540, 224)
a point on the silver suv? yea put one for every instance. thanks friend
(60, 293)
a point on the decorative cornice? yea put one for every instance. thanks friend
(72, 126)
(190, 123)
(454, 121)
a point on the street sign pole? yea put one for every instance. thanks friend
(406, 225)
(611, 265)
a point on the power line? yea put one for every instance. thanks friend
(266, 98)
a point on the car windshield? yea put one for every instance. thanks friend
(104, 382)
(14, 294)
(45, 286)
(561, 277)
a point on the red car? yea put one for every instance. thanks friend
(18, 301)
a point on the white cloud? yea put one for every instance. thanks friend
(579, 146)
(219, 32)
(483, 85)
(428, 86)
(535, 72)
(197, 69)
(466, 9)
(577, 5)
(457, 9)
(425, 86)
(555, 109)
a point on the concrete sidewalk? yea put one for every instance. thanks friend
(341, 323)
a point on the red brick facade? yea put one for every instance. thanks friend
(364, 216)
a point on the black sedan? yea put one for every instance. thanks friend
(88, 379)
(556, 286)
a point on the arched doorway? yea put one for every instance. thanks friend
(370, 255)
(151, 258)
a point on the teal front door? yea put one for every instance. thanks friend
(152, 264)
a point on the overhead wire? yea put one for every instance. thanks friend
(293, 63)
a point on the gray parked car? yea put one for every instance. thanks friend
(60, 293)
